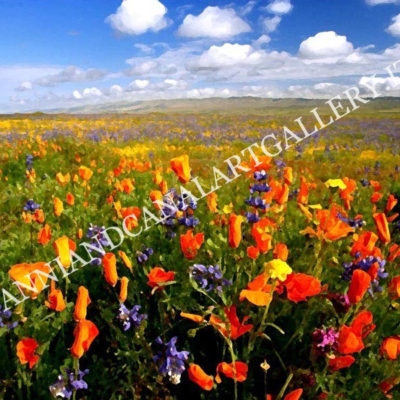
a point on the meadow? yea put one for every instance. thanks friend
(282, 284)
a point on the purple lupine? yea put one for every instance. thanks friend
(209, 278)
(256, 202)
(64, 387)
(190, 222)
(143, 256)
(252, 218)
(29, 162)
(325, 340)
(6, 315)
(31, 206)
(131, 317)
(260, 188)
(173, 361)
(353, 223)
(260, 175)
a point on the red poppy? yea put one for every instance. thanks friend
(341, 362)
(360, 282)
(301, 286)
(85, 332)
(394, 288)
(158, 276)
(382, 226)
(234, 328)
(197, 375)
(235, 230)
(391, 347)
(237, 370)
(26, 351)
(190, 244)
(391, 202)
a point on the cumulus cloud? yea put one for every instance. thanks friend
(23, 87)
(134, 17)
(325, 47)
(71, 74)
(247, 8)
(270, 24)
(214, 22)
(279, 7)
(394, 28)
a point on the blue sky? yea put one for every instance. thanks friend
(66, 53)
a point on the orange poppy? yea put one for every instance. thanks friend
(127, 185)
(281, 251)
(382, 226)
(375, 185)
(25, 275)
(56, 299)
(365, 245)
(376, 196)
(362, 324)
(193, 317)
(360, 282)
(341, 362)
(346, 194)
(190, 244)
(156, 195)
(79, 234)
(300, 286)
(38, 216)
(295, 395)
(163, 187)
(123, 293)
(130, 216)
(212, 202)
(391, 202)
(82, 301)
(180, 165)
(253, 252)
(58, 206)
(260, 232)
(110, 268)
(236, 370)
(302, 197)
(63, 179)
(70, 199)
(349, 341)
(233, 328)
(63, 246)
(85, 332)
(197, 375)
(126, 260)
(288, 175)
(158, 276)
(85, 173)
(44, 235)
(26, 351)
(258, 291)
(235, 230)
(394, 288)
(391, 347)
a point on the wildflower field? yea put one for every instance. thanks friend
(282, 283)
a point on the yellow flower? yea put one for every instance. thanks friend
(228, 209)
(335, 183)
(277, 269)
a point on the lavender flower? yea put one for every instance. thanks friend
(252, 218)
(65, 387)
(31, 206)
(260, 175)
(131, 316)
(6, 315)
(354, 223)
(325, 340)
(260, 188)
(190, 222)
(257, 202)
(29, 162)
(173, 363)
(209, 278)
(143, 256)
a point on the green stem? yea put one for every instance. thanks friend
(281, 393)
(76, 371)
(233, 357)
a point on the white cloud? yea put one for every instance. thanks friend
(214, 22)
(135, 17)
(263, 39)
(76, 94)
(376, 2)
(144, 48)
(325, 47)
(23, 87)
(140, 84)
(394, 29)
(89, 92)
(270, 24)
(279, 7)
(247, 8)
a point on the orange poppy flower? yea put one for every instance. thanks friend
(349, 341)
(376, 185)
(300, 286)
(295, 395)
(288, 175)
(212, 202)
(127, 185)
(376, 196)
(163, 187)
(158, 276)
(180, 165)
(281, 251)
(63, 179)
(56, 299)
(82, 301)
(70, 199)
(238, 370)
(126, 260)
(394, 288)
(302, 197)
(123, 293)
(38, 216)
(79, 234)
(27, 217)
(382, 227)
(85, 332)
(388, 384)
(85, 173)
(365, 245)
(341, 362)
(193, 317)
(235, 230)
(258, 291)
(58, 206)
(391, 202)
(26, 351)
(156, 195)
(130, 216)
(234, 328)
(110, 268)
(44, 235)
(260, 232)
(197, 375)
(346, 194)
(330, 227)
(253, 252)
(362, 324)
(191, 244)
(62, 246)
(360, 282)
(25, 274)
(391, 347)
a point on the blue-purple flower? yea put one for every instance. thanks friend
(64, 387)
(131, 317)
(209, 278)
(31, 206)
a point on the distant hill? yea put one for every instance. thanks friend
(236, 105)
